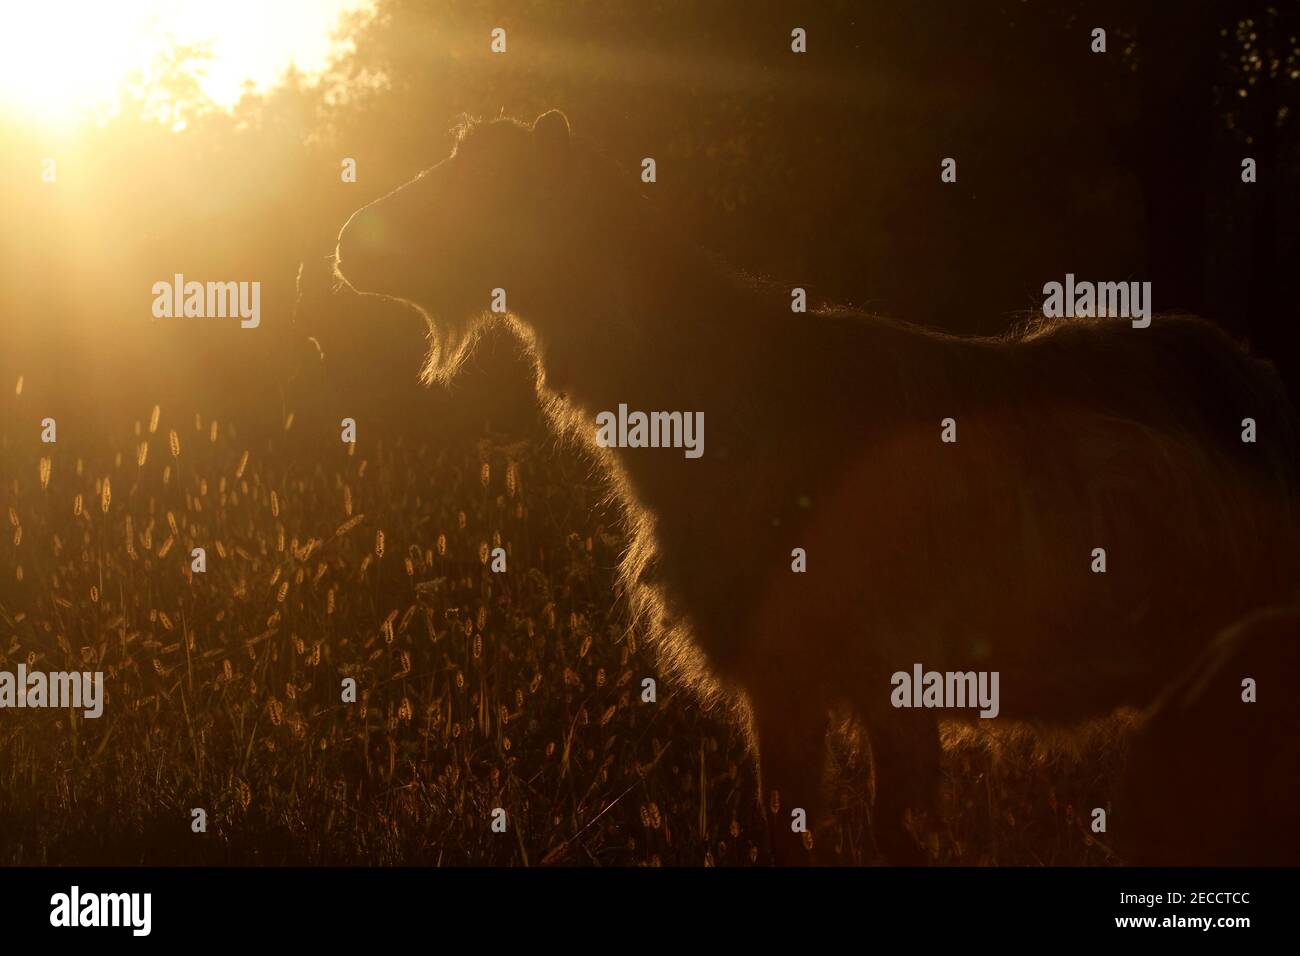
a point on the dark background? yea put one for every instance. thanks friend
(820, 170)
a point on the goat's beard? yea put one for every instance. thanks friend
(450, 343)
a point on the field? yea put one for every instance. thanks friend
(476, 690)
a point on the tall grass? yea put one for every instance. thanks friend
(476, 690)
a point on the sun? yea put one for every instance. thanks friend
(51, 71)
(64, 61)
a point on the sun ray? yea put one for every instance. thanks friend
(62, 61)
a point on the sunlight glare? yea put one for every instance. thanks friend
(64, 60)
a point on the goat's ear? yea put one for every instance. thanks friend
(551, 130)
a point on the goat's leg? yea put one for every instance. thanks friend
(905, 752)
(790, 733)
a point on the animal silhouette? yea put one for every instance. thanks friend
(826, 432)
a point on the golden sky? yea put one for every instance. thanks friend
(64, 60)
